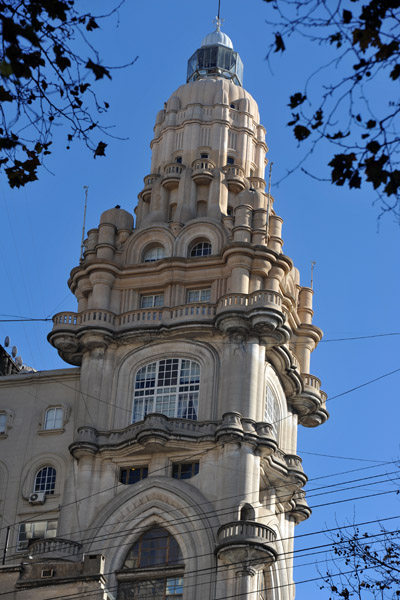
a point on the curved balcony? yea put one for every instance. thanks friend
(172, 175)
(257, 183)
(311, 383)
(263, 307)
(149, 181)
(157, 428)
(246, 540)
(243, 302)
(55, 548)
(202, 171)
(235, 178)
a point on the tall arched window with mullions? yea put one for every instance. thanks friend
(169, 386)
(271, 412)
(153, 568)
(45, 481)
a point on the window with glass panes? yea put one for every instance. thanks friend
(271, 414)
(185, 470)
(198, 295)
(155, 551)
(3, 423)
(201, 249)
(54, 418)
(152, 301)
(154, 253)
(169, 386)
(131, 475)
(45, 481)
(35, 530)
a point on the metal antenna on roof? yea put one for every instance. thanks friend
(312, 274)
(219, 8)
(85, 187)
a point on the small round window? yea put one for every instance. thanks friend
(154, 253)
(201, 249)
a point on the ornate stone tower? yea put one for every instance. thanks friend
(193, 336)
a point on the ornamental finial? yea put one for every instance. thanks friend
(218, 23)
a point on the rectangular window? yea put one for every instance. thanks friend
(152, 301)
(185, 470)
(54, 418)
(3, 423)
(198, 295)
(132, 475)
(35, 530)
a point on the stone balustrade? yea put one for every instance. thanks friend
(156, 425)
(311, 381)
(260, 299)
(244, 532)
(172, 175)
(154, 317)
(55, 548)
(234, 178)
(150, 179)
(202, 171)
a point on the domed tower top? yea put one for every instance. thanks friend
(216, 58)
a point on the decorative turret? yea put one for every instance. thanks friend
(216, 58)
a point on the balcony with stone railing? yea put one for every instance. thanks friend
(235, 178)
(55, 548)
(202, 171)
(257, 183)
(246, 540)
(157, 429)
(172, 175)
(167, 316)
(149, 182)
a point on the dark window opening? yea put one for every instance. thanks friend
(178, 159)
(231, 160)
(203, 155)
(185, 470)
(132, 475)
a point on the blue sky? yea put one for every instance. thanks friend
(356, 278)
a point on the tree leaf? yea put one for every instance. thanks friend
(100, 150)
(301, 133)
(98, 71)
(279, 43)
(297, 99)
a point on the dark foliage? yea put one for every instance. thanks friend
(45, 81)
(340, 101)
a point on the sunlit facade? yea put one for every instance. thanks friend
(163, 465)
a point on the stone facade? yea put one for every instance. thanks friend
(175, 434)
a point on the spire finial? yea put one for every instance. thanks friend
(218, 23)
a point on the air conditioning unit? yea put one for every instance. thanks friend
(37, 498)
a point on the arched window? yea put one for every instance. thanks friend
(45, 481)
(154, 253)
(170, 386)
(54, 418)
(271, 413)
(247, 513)
(201, 249)
(153, 568)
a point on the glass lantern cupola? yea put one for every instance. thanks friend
(216, 57)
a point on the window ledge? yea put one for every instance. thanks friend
(51, 431)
